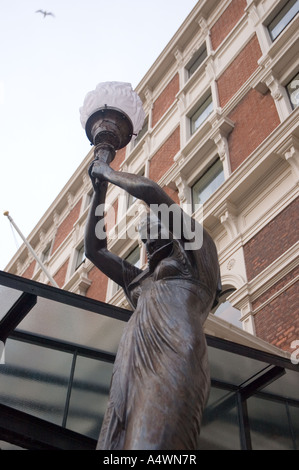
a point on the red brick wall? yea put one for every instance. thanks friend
(278, 321)
(30, 270)
(165, 100)
(61, 273)
(98, 288)
(119, 158)
(275, 288)
(173, 194)
(272, 241)
(239, 71)
(255, 117)
(66, 226)
(163, 158)
(227, 21)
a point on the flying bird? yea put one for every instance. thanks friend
(45, 13)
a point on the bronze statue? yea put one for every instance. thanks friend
(160, 382)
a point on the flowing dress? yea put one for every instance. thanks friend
(160, 381)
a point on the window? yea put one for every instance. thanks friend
(142, 132)
(283, 18)
(46, 253)
(229, 313)
(130, 201)
(196, 60)
(293, 91)
(225, 309)
(201, 114)
(134, 257)
(88, 198)
(207, 184)
(220, 424)
(269, 423)
(80, 256)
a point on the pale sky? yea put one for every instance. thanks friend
(47, 65)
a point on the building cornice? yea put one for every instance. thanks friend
(183, 35)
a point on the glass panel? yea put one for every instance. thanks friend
(46, 253)
(269, 425)
(220, 428)
(134, 257)
(142, 132)
(8, 446)
(130, 201)
(115, 287)
(80, 256)
(294, 419)
(285, 386)
(232, 368)
(201, 114)
(75, 325)
(207, 184)
(89, 396)
(283, 18)
(196, 61)
(88, 198)
(293, 91)
(35, 380)
(8, 297)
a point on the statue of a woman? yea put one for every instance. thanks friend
(160, 381)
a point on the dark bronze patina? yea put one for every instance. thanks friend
(160, 382)
(109, 126)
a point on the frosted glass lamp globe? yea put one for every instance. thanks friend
(112, 113)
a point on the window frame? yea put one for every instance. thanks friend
(275, 17)
(114, 287)
(296, 90)
(79, 253)
(197, 58)
(201, 176)
(143, 131)
(46, 253)
(88, 198)
(193, 117)
(131, 253)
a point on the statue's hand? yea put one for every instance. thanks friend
(100, 170)
(94, 179)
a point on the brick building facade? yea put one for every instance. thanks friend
(221, 130)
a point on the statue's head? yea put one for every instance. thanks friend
(153, 233)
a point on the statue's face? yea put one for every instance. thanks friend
(153, 234)
(154, 245)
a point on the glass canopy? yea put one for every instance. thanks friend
(59, 353)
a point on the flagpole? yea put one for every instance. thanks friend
(44, 269)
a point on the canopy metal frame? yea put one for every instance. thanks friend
(31, 432)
